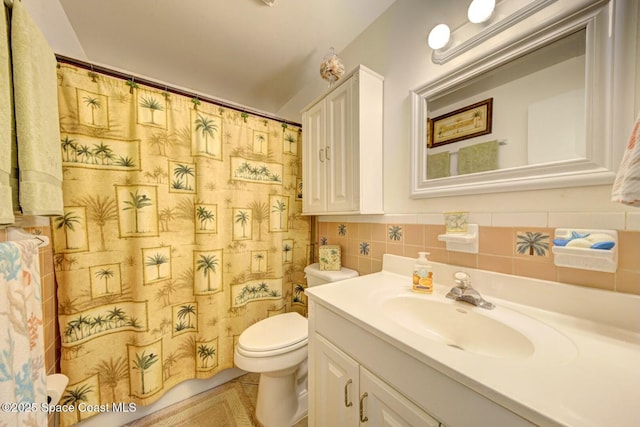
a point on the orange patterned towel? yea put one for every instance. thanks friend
(626, 187)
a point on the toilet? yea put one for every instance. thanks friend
(276, 348)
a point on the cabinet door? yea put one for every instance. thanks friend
(336, 391)
(314, 160)
(383, 406)
(342, 160)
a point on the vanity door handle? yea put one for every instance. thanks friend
(346, 395)
(326, 152)
(363, 419)
(321, 155)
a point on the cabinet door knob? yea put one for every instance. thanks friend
(326, 152)
(363, 419)
(321, 155)
(347, 403)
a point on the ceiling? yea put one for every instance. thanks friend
(241, 51)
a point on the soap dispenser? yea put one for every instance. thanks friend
(422, 274)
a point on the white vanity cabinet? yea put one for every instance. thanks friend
(347, 394)
(342, 148)
(348, 359)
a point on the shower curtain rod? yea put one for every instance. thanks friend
(156, 85)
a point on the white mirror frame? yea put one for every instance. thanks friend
(602, 69)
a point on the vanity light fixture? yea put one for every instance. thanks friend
(481, 11)
(439, 37)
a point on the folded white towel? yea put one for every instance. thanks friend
(7, 163)
(626, 187)
(35, 90)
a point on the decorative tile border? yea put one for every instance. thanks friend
(629, 221)
(523, 250)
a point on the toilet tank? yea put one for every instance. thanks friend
(316, 277)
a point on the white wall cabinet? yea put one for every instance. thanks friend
(347, 394)
(342, 148)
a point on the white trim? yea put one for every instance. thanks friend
(606, 72)
(614, 220)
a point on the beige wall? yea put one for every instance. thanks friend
(50, 18)
(395, 46)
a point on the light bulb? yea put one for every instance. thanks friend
(481, 10)
(439, 37)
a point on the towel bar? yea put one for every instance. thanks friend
(15, 234)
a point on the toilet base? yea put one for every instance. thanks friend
(282, 397)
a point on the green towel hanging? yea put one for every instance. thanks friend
(438, 165)
(478, 158)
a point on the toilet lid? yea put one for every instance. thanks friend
(330, 276)
(272, 333)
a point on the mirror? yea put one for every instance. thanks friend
(524, 117)
(531, 95)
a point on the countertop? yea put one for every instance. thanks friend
(585, 371)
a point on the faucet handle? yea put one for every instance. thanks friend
(462, 279)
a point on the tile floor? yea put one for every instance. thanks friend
(249, 383)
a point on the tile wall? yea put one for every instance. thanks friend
(501, 248)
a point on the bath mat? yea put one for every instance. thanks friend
(224, 406)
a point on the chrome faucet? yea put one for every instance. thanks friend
(463, 291)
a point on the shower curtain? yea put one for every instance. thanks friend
(182, 226)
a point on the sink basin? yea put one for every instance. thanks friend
(459, 326)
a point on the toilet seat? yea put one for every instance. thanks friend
(274, 335)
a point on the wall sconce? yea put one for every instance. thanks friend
(481, 10)
(269, 2)
(439, 37)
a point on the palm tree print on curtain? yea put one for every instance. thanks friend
(206, 218)
(206, 135)
(100, 152)
(93, 109)
(183, 177)
(105, 280)
(99, 211)
(137, 210)
(208, 273)
(71, 230)
(287, 251)
(152, 108)
(81, 326)
(207, 355)
(85, 393)
(145, 369)
(185, 318)
(279, 213)
(157, 263)
(290, 141)
(182, 227)
(260, 141)
(258, 261)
